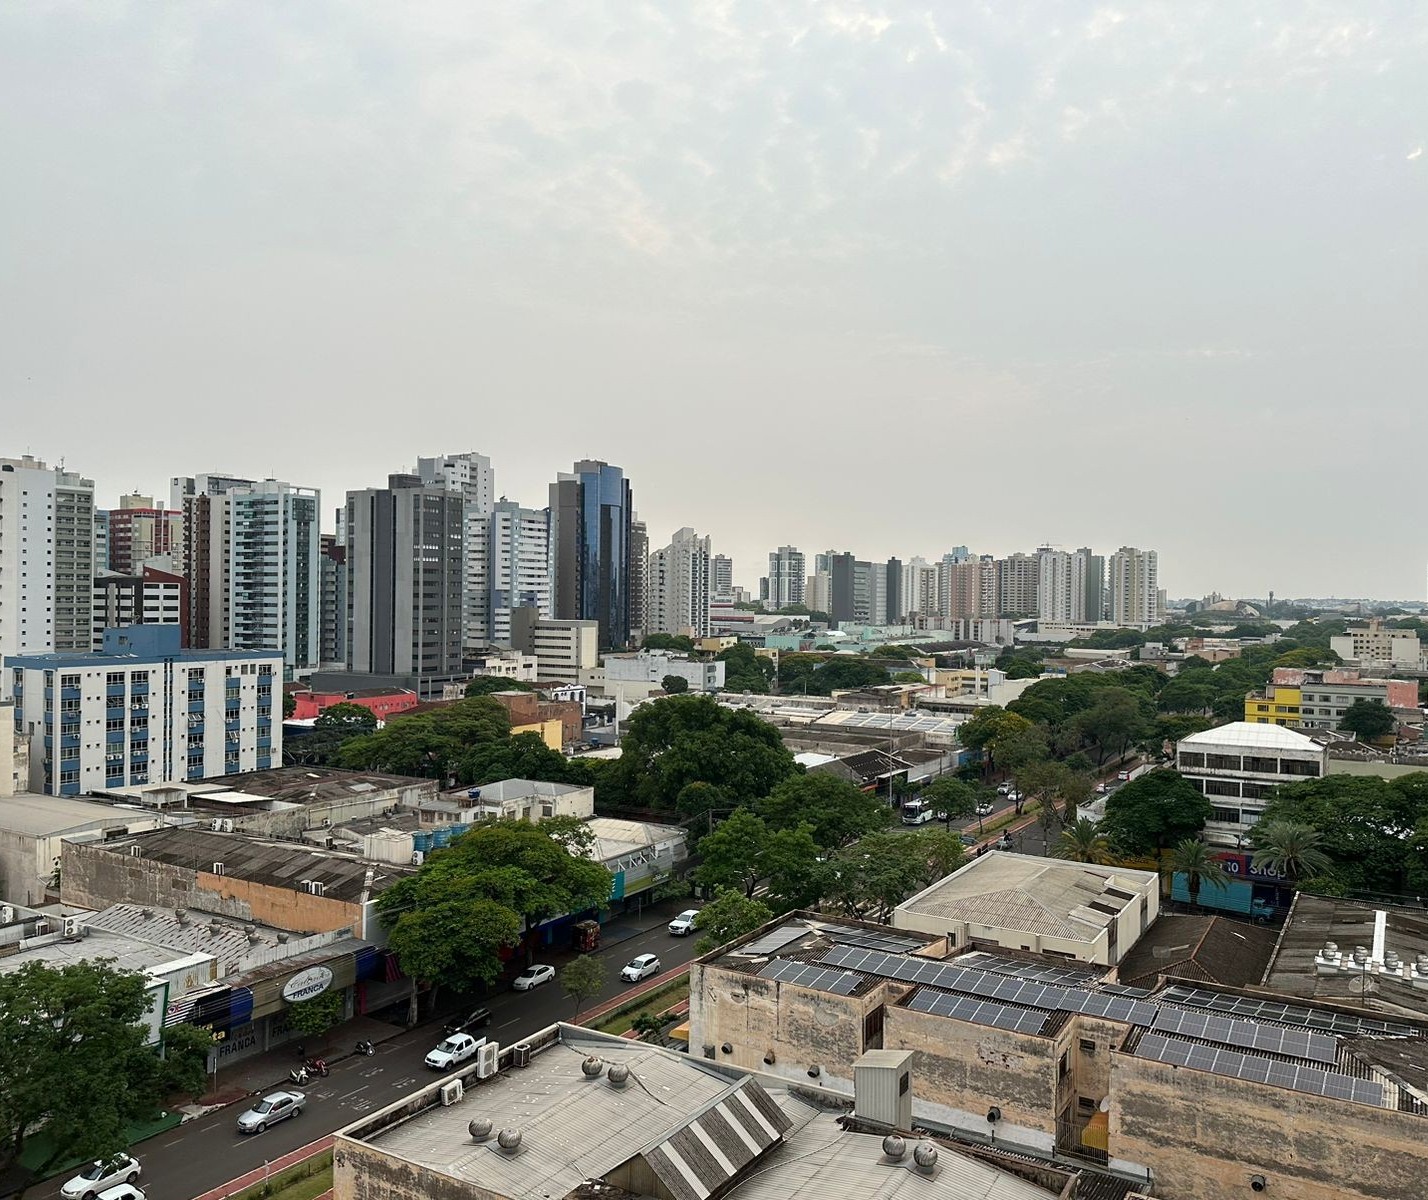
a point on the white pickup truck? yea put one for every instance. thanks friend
(454, 1051)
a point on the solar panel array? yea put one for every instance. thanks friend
(1296, 1043)
(990, 985)
(820, 979)
(1259, 1070)
(845, 935)
(1124, 989)
(1041, 972)
(776, 939)
(979, 1012)
(1289, 1014)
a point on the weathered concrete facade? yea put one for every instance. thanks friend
(1205, 1135)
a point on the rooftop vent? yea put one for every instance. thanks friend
(479, 1128)
(509, 1140)
(619, 1076)
(592, 1067)
(894, 1147)
(925, 1157)
(181, 916)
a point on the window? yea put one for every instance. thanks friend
(1291, 766)
(1063, 1067)
(1088, 1046)
(1223, 762)
(1263, 766)
(1085, 1104)
(1229, 816)
(1222, 787)
(1188, 759)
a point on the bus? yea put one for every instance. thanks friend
(917, 812)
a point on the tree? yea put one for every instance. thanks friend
(650, 1027)
(582, 979)
(680, 740)
(908, 677)
(525, 756)
(1290, 850)
(837, 812)
(744, 670)
(316, 1016)
(484, 685)
(1083, 842)
(674, 685)
(987, 728)
(74, 1059)
(1113, 722)
(732, 852)
(1157, 810)
(1368, 720)
(877, 873)
(669, 641)
(431, 743)
(347, 718)
(728, 916)
(952, 799)
(185, 1063)
(289, 705)
(1193, 859)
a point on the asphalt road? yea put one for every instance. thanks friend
(206, 1153)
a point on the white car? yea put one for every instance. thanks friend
(683, 925)
(533, 976)
(272, 1108)
(122, 1191)
(454, 1051)
(1003, 788)
(100, 1175)
(641, 967)
(986, 808)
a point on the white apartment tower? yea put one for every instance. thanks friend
(472, 475)
(1134, 588)
(787, 574)
(519, 552)
(46, 558)
(679, 586)
(274, 599)
(1061, 586)
(920, 589)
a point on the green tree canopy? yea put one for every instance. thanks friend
(669, 641)
(1291, 850)
(953, 799)
(674, 685)
(346, 716)
(745, 671)
(1158, 810)
(583, 979)
(836, 811)
(878, 872)
(430, 744)
(728, 916)
(743, 851)
(1083, 842)
(525, 756)
(484, 685)
(988, 727)
(1197, 862)
(1368, 720)
(316, 1016)
(74, 1059)
(680, 740)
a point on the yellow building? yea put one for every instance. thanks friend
(1278, 704)
(552, 733)
(713, 645)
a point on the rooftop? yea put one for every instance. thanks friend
(34, 815)
(614, 838)
(1207, 948)
(1043, 896)
(1251, 736)
(691, 1129)
(287, 785)
(258, 860)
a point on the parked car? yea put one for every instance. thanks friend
(985, 808)
(272, 1108)
(476, 1018)
(102, 1174)
(683, 925)
(1003, 788)
(454, 1051)
(1123, 776)
(640, 967)
(1102, 789)
(533, 976)
(121, 1191)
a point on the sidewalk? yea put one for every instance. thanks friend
(270, 1069)
(258, 1175)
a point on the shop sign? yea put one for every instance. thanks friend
(307, 984)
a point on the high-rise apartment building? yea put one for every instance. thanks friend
(895, 608)
(332, 584)
(991, 586)
(406, 569)
(787, 580)
(274, 550)
(722, 575)
(1093, 603)
(1134, 587)
(203, 500)
(1017, 578)
(961, 590)
(138, 532)
(919, 588)
(679, 580)
(470, 475)
(518, 549)
(101, 540)
(591, 511)
(148, 596)
(639, 569)
(1060, 586)
(46, 558)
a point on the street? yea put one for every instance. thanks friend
(207, 1152)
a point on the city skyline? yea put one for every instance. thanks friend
(1109, 277)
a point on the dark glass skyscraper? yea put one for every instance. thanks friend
(590, 544)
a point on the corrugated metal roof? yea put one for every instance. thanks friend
(702, 1156)
(1251, 736)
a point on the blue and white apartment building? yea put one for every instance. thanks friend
(144, 711)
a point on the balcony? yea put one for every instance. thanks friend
(195, 729)
(68, 741)
(111, 736)
(265, 743)
(69, 693)
(195, 706)
(232, 725)
(114, 689)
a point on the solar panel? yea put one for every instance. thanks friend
(820, 979)
(979, 1012)
(1043, 972)
(1232, 1063)
(887, 942)
(1121, 989)
(1294, 1043)
(1289, 1014)
(776, 940)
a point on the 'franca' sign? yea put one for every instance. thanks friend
(307, 984)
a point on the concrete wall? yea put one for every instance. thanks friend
(92, 877)
(1204, 1135)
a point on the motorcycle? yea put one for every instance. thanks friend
(316, 1066)
(299, 1075)
(366, 1048)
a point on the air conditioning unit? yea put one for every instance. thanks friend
(216, 824)
(451, 1092)
(225, 824)
(521, 1054)
(7, 914)
(418, 857)
(71, 927)
(488, 1060)
(218, 868)
(41, 928)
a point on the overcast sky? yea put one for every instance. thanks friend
(880, 278)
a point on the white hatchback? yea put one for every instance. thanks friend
(533, 976)
(640, 967)
(98, 1176)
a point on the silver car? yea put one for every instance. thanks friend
(98, 1176)
(272, 1108)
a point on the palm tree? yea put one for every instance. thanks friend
(1193, 859)
(1083, 842)
(1291, 850)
